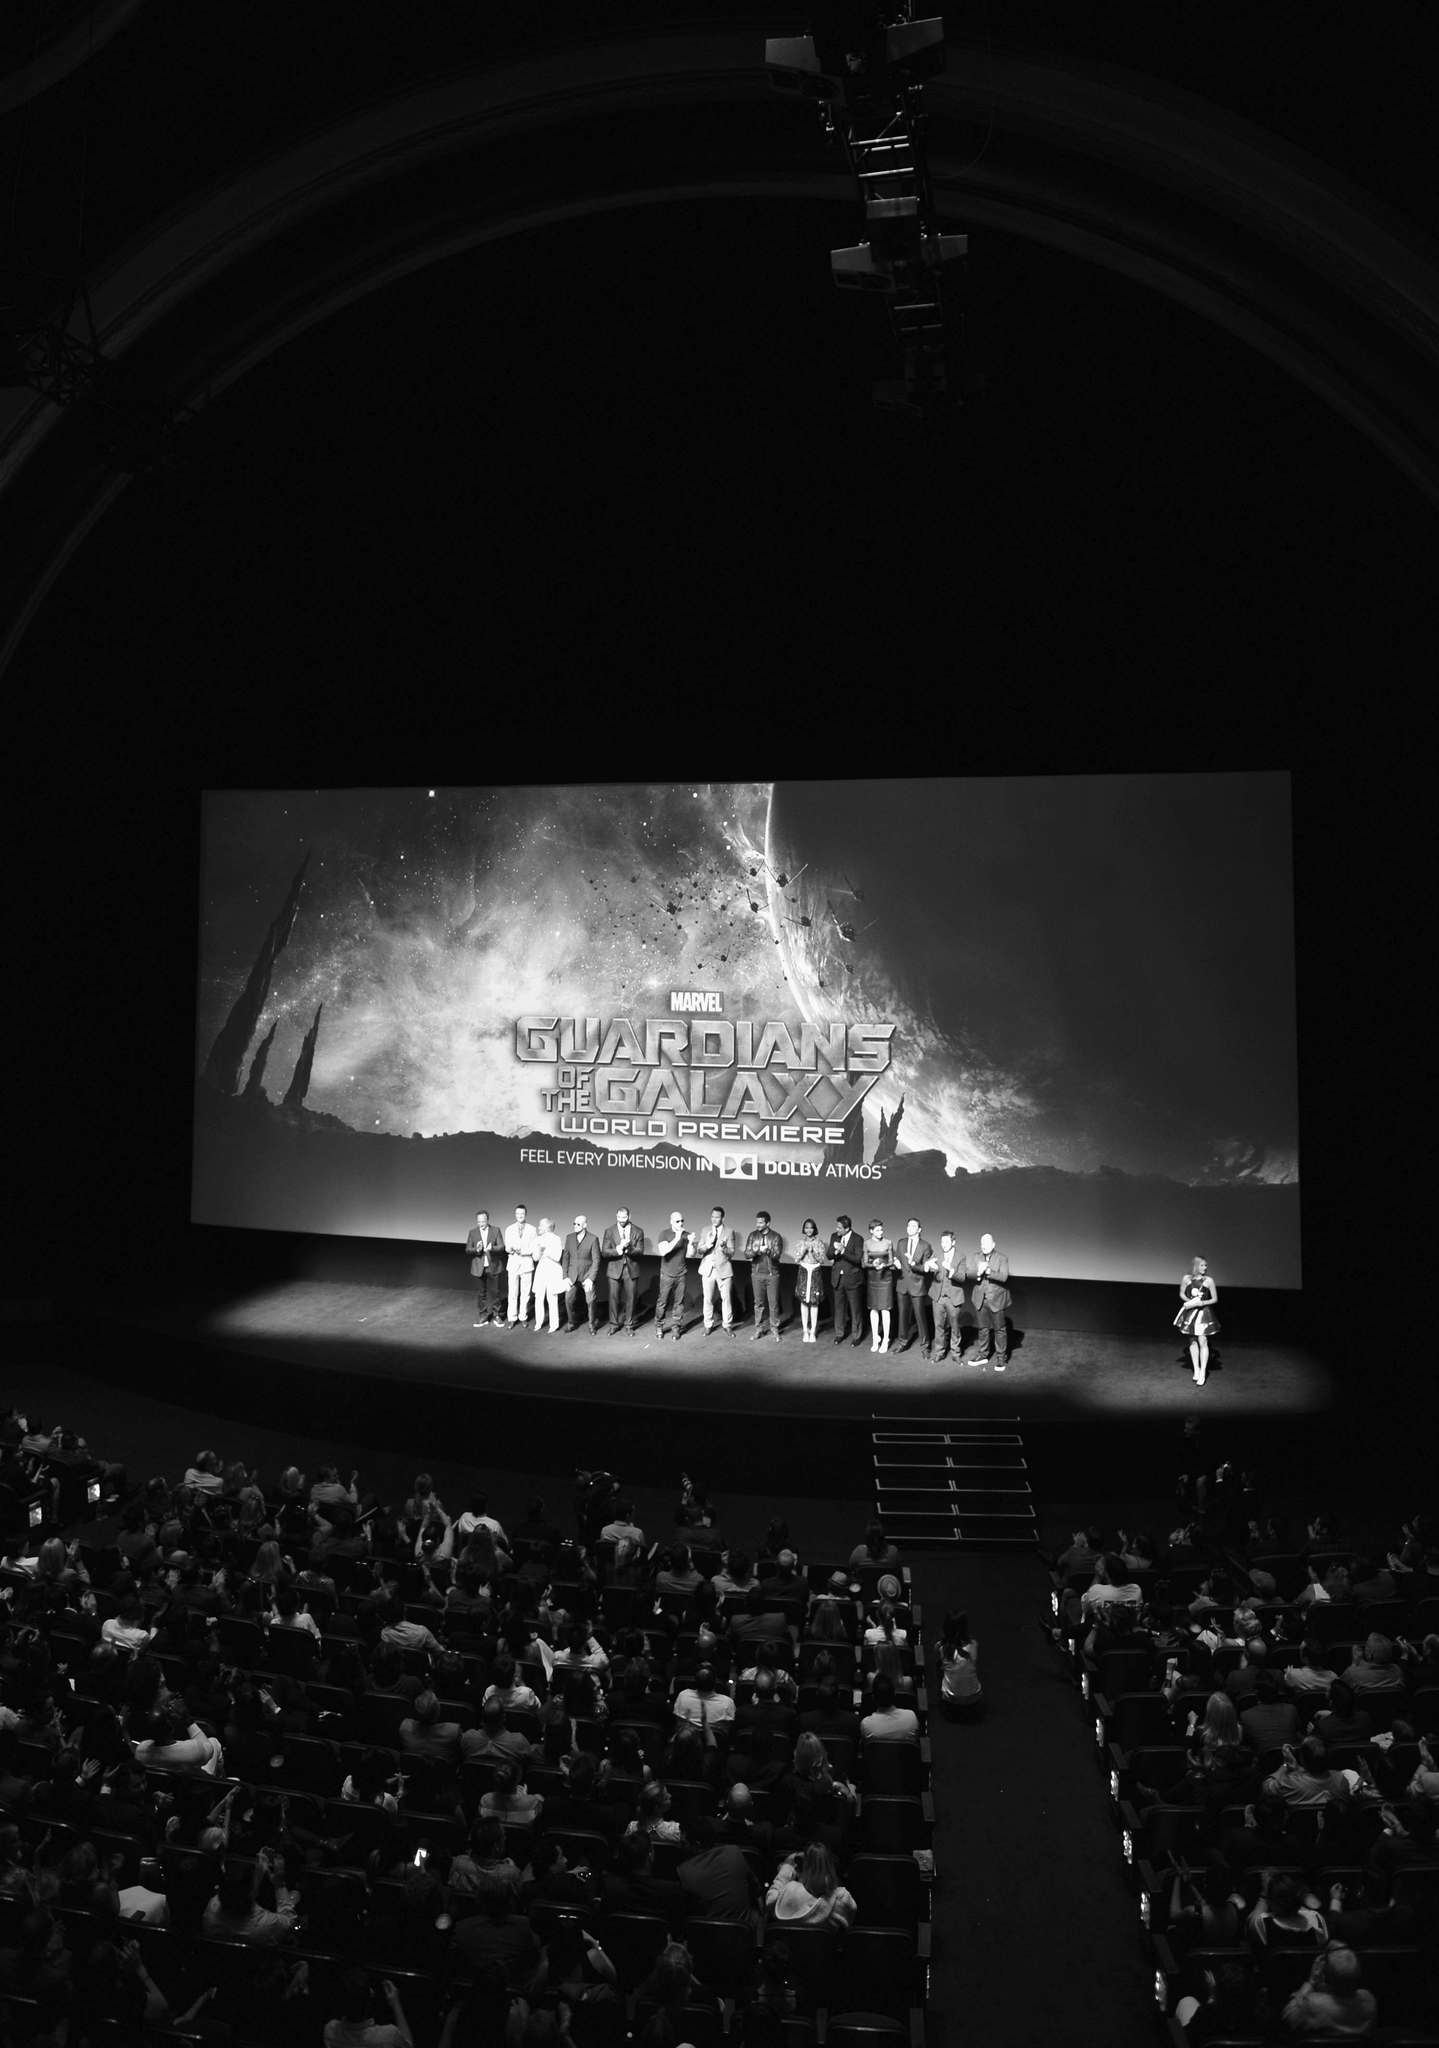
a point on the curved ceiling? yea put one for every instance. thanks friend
(1113, 169)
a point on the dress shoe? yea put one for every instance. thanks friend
(756, 1337)
(857, 1342)
(839, 1340)
(775, 1335)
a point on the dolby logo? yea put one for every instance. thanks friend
(738, 1166)
(696, 1002)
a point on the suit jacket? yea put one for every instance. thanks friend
(581, 1259)
(846, 1251)
(912, 1277)
(949, 1287)
(673, 1260)
(992, 1292)
(487, 1256)
(716, 1248)
(623, 1265)
(762, 1249)
(549, 1255)
(522, 1242)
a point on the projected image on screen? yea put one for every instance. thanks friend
(1061, 1010)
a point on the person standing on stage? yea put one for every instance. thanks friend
(716, 1250)
(810, 1261)
(846, 1276)
(879, 1263)
(914, 1254)
(486, 1249)
(989, 1270)
(673, 1249)
(624, 1243)
(549, 1275)
(580, 1263)
(1196, 1319)
(521, 1243)
(762, 1249)
(946, 1297)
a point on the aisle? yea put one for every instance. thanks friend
(1035, 1929)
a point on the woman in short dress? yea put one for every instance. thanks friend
(879, 1269)
(810, 1260)
(1196, 1319)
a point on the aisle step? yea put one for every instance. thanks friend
(952, 1482)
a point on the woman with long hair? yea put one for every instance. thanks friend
(807, 1892)
(957, 1657)
(811, 1259)
(1196, 1319)
(819, 1806)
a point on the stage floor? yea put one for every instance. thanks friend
(423, 1334)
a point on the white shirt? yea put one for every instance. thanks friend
(522, 1242)
(704, 1710)
(550, 1249)
(139, 1903)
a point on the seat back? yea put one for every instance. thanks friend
(888, 1890)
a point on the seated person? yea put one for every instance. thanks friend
(632, 1887)
(1344, 1720)
(808, 1893)
(1333, 1999)
(424, 1734)
(1313, 1674)
(887, 1722)
(1272, 1720)
(1305, 1779)
(1285, 1915)
(1374, 1667)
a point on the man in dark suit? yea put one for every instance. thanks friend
(989, 1270)
(485, 1248)
(580, 1265)
(623, 1247)
(913, 1253)
(762, 1249)
(846, 1277)
(674, 1247)
(946, 1297)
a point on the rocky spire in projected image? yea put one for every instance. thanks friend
(851, 1152)
(257, 1064)
(888, 1140)
(222, 1068)
(300, 1081)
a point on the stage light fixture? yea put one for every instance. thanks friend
(865, 67)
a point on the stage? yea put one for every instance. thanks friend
(396, 1355)
(422, 1335)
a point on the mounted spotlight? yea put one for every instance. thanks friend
(864, 67)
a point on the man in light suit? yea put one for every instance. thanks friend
(673, 1248)
(623, 1246)
(549, 1276)
(580, 1263)
(522, 1245)
(989, 1270)
(486, 1250)
(716, 1249)
(913, 1253)
(946, 1297)
(846, 1279)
